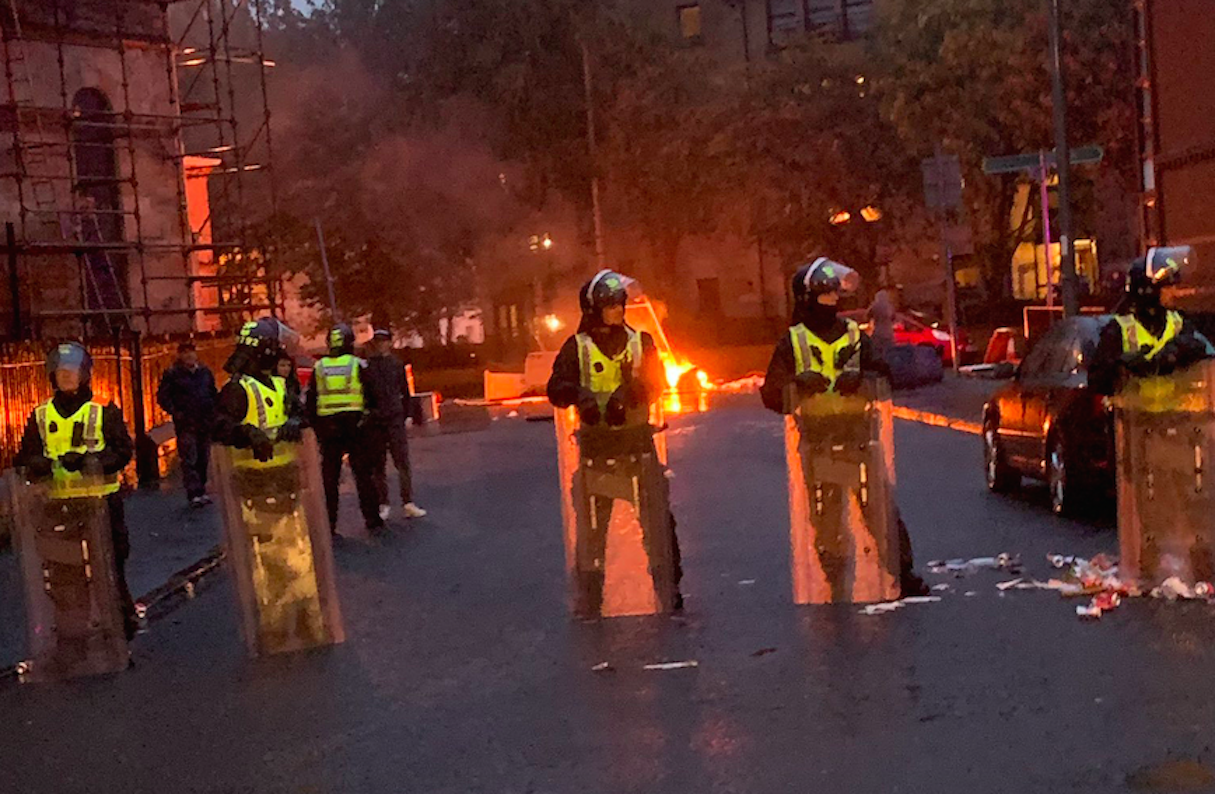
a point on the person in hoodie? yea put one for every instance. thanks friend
(612, 374)
(69, 436)
(187, 393)
(824, 353)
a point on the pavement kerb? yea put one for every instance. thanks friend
(937, 420)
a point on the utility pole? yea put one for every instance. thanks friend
(320, 239)
(592, 148)
(1067, 247)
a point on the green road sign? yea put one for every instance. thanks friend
(1015, 163)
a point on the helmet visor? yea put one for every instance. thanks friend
(826, 275)
(67, 357)
(610, 282)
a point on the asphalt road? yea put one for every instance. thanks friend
(464, 674)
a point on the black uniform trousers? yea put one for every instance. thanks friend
(341, 437)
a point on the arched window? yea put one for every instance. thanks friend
(98, 199)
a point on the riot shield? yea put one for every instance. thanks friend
(73, 605)
(1165, 433)
(842, 509)
(279, 547)
(620, 548)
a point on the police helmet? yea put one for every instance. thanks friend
(70, 356)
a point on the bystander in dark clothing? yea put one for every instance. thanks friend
(389, 404)
(881, 319)
(187, 392)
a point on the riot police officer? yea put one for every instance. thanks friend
(612, 374)
(1145, 338)
(72, 435)
(337, 410)
(824, 355)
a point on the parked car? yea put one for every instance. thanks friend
(1047, 425)
(914, 328)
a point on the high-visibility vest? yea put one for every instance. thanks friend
(57, 431)
(602, 375)
(812, 354)
(339, 385)
(266, 410)
(1138, 339)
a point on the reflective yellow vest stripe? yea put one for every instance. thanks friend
(339, 385)
(266, 410)
(812, 354)
(57, 432)
(1136, 338)
(602, 375)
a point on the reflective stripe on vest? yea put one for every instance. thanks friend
(266, 409)
(339, 385)
(812, 354)
(56, 432)
(602, 374)
(1136, 338)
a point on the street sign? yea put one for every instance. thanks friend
(1032, 161)
(942, 182)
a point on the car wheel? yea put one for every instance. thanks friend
(1001, 478)
(1060, 480)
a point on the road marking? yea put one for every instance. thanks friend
(937, 420)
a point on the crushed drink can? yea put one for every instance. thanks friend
(1204, 589)
(1106, 601)
(1088, 611)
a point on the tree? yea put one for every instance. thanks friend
(971, 76)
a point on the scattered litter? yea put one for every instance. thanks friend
(746, 582)
(672, 665)
(603, 667)
(512, 415)
(891, 606)
(878, 609)
(942, 586)
(1088, 611)
(764, 651)
(1011, 583)
(1204, 590)
(963, 567)
(1106, 601)
(1174, 588)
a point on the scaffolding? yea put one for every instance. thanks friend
(89, 168)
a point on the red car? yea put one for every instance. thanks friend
(913, 328)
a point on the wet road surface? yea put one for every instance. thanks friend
(463, 673)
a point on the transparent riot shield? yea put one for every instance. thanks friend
(1165, 434)
(621, 554)
(73, 605)
(842, 509)
(279, 547)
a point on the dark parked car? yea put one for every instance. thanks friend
(1047, 425)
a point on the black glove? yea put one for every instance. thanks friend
(72, 461)
(588, 408)
(263, 447)
(39, 468)
(616, 412)
(849, 382)
(811, 383)
(845, 355)
(292, 431)
(1138, 364)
